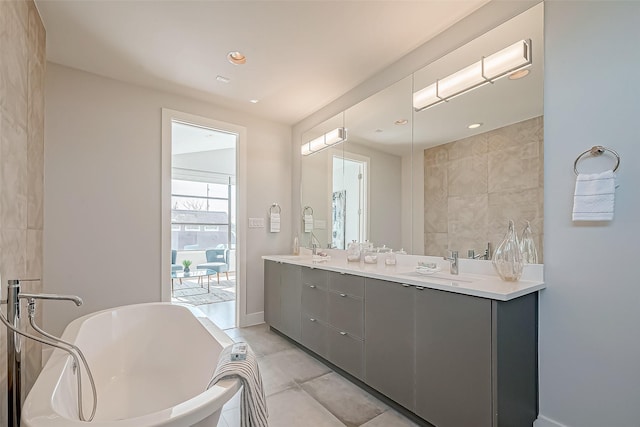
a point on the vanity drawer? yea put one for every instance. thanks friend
(346, 352)
(346, 313)
(346, 283)
(315, 302)
(315, 277)
(314, 335)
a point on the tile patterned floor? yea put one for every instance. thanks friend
(302, 392)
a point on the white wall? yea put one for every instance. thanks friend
(102, 191)
(590, 311)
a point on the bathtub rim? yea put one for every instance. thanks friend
(38, 408)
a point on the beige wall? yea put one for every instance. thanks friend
(473, 186)
(22, 49)
(103, 191)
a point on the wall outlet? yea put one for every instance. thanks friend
(256, 222)
(320, 224)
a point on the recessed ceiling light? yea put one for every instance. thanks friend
(254, 101)
(474, 125)
(401, 122)
(223, 79)
(519, 74)
(236, 58)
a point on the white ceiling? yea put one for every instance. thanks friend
(301, 55)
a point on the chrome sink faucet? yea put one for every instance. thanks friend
(454, 262)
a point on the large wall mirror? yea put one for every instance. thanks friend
(421, 178)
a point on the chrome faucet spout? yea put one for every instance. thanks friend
(454, 262)
(76, 300)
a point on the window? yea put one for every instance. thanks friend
(200, 213)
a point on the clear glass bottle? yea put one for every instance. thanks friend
(507, 258)
(296, 246)
(528, 246)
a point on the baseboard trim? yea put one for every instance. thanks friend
(543, 421)
(251, 319)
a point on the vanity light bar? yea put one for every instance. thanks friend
(487, 70)
(330, 138)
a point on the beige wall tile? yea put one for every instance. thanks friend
(13, 67)
(436, 156)
(13, 174)
(490, 178)
(514, 168)
(468, 175)
(436, 243)
(469, 147)
(35, 147)
(22, 49)
(435, 198)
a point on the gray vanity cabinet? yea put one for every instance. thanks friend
(346, 323)
(272, 294)
(290, 294)
(453, 359)
(390, 340)
(315, 311)
(282, 297)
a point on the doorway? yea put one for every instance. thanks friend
(200, 193)
(349, 200)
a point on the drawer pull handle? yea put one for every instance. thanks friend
(343, 333)
(343, 295)
(312, 286)
(420, 288)
(313, 320)
(405, 285)
(342, 274)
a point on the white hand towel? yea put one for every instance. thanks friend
(308, 223)
(594, 196)
(275, 222)
(253, 404)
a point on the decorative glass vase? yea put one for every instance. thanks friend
(528, 246)
(507, 259)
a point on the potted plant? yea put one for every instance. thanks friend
(186, 263)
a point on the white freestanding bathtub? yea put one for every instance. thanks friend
(151, 364)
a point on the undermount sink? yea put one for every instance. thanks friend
(441, 277)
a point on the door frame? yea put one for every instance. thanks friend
(168, 116)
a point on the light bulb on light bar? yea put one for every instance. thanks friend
(328, 139)
(487, 70)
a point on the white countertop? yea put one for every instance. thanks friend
(475, 277)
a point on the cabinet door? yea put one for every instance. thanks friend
(389, 340)
(453, 359)
(346, 313)
(315, 335)
(272, 293)
(346, 352)
(290, 300)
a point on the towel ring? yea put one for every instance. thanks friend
(275, 206)
(597, 150)
(307, 208)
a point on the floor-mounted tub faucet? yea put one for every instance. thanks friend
(14, 353)
(454, 262)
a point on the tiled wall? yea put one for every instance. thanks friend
(22, 65)
(475, 185)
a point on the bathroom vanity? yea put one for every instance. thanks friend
(453, 350)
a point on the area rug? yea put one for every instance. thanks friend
(191, 292)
